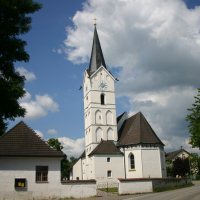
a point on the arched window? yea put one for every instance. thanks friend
(98, 135)
(110, 134)
(102, 99)
(109, 117)
(98, 117)
(131, 161)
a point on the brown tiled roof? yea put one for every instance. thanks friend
(172, 155)
(23, 141)
(136, 130)
(105, 147)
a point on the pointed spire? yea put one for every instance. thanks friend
(96, 59)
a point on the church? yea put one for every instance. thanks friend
(115, 147)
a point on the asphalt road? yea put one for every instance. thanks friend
(189, 193)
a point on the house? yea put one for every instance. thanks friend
(173, 155)
(115, 147)
(27, 163)
(178, 163)
(30, 169)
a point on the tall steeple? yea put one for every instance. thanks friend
(96, 59)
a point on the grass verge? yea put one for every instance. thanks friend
(111, 190)
(162, 189)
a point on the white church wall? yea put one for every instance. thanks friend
(151, 163)
(89, 168)
(102, 75)
(137, 172)
(105, 163)
(77, 170)
(163, 163)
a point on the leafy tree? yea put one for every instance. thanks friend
(194, 121)
(169, 168)
(14, 21)
(54, 143)
(66, 165)
(181, 167)
(195, 164)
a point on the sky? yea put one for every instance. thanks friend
(152, 47)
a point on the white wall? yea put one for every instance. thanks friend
(92, 106)
(151, 163)
(102, 166)
(77, 170)
(138, 171)
(131, 187)
(15, 167)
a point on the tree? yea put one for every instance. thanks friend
(54, 143)
(194, 121)
(195, 164)
(181, 167)
(66, 165)
(14, 21)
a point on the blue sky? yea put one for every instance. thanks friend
(142, 49)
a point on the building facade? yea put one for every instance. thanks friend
(115, 147)
(30, 169)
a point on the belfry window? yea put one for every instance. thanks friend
(102, 99)
(132, 161)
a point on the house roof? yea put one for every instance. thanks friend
(105, 147)
(136, 130)
(172, 155)
(23, 141)
(96, 59)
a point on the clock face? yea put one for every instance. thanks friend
(103, 85)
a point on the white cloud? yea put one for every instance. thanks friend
(72, 147)
(30, 76)
(58, 51)
(38, 107)
(52, 131)
(39, 133)
(156, 46)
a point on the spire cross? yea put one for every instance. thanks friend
(95, 21)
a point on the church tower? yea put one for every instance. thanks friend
(99, 100)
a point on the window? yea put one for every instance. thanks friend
(108, 159)
(102, 99)
(109, 173)
(109, 117)
(110, 135)
(98, 118)
(99, 134)
(20, 183)
(132, 161)
(41, 173)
